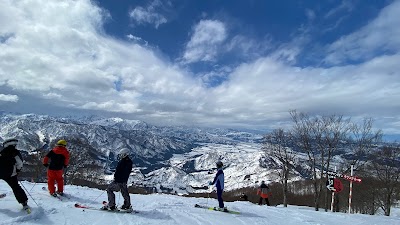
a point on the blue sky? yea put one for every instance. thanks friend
(261, 26)
(239, 64)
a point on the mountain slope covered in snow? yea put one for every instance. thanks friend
(162, 209)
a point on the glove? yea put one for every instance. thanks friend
(210, 183)
(46, 165)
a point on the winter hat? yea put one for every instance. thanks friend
(9, 142)
(62, 143)
(123, 153)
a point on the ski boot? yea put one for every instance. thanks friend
(127, 208)
(107, 207)
(26, 207)
(224, 209)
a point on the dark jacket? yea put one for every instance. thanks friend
(59, 158)
(11, 162)
(219, 180)
(123, 170)
(263, 191)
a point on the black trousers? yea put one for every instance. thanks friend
(19, 193)
(220, 200)
(266, 201)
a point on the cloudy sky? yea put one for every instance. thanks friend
(221, 63)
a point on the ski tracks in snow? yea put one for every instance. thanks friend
(20, 216)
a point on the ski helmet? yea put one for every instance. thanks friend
(9, 142)
(123, 153)
(62, 143)
(219, 164)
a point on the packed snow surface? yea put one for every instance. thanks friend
(162, 209)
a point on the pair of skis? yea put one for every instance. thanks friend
(59, 197)
(84, 207)
(216, 209)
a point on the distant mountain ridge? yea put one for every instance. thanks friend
(176, 157)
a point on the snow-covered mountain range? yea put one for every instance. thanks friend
(179, 158)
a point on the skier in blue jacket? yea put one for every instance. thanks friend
(219, 184)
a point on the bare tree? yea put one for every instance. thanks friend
(276, 145)
(362, 141)
(319, 137)
(331, 131)
(385, 164)
(303, 133)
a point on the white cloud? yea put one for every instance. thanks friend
(288, 52)
(380, 36)
(57, 52)
(310, 14)
(205, 41)
(248, 47)
(149, 14)
(344, 6)
(266, 89)
(58, 49)
(138, 40)
(8, 98)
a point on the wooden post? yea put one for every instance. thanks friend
(333, 197)
(351, 189)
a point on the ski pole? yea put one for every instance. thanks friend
(210, 189)
(100, 195)
(28, 193)
(119, 196)
(33, 184)
(208, 195)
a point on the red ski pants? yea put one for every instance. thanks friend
(55, 176)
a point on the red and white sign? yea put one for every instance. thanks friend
(346, 177)
(337, 184)
(350, 178)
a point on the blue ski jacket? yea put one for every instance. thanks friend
(219, 180)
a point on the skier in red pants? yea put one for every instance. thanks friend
(59, 159)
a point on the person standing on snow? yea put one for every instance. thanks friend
(59, 159)
(121, 176)
(11, 164)
(263, 191)
(219, 184)
(244, 197)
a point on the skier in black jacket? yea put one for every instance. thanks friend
(121, 176)
(264, 193)
(10, 165)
